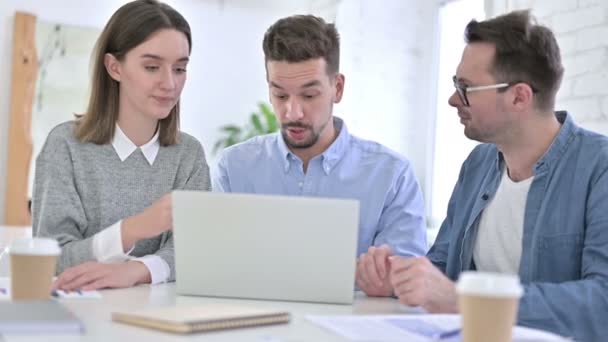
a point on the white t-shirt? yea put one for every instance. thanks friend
(499, 236)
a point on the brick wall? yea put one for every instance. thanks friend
(581, 28)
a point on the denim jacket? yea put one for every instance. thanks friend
(564, 261)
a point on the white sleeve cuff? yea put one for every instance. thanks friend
(107, 245)
(158, 268)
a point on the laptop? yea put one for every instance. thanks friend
(265, 246)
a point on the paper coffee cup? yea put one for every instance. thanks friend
(488, 304)
(32, 263)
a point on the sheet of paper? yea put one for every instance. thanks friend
(414, 328)
(387, 328)
(77, 294)
(5, 292)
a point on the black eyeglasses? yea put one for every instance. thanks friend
(462, 90)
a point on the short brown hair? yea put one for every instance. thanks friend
(302, 37)
(128, 27)
(525, 52)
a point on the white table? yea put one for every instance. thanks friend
(96, 315)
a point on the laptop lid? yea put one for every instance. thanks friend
(265, 246)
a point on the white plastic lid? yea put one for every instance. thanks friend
(489, 284)
(34, 246)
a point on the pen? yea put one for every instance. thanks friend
(446, 334)
(61, 293)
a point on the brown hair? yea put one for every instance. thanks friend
(128, 27)
(525, 52)
(302, 37)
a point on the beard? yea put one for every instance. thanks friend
(313, 134)
(311, 140)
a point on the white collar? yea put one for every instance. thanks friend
(124, 147)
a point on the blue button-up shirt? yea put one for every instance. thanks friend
(564, 261)
(391, 203)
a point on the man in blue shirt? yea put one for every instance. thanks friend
(314, 154)
(532, 199)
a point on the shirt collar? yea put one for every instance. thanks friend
(332, 154)
(336, 150)
(286, 155)
(124, 147)
(560, 143)
(557, 147)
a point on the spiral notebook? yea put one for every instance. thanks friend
(201, 318)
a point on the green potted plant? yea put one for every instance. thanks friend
(262, 122)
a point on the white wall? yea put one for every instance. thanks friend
(581, 29)
(389, 57)
(225, 77)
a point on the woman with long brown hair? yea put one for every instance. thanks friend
(103, 182)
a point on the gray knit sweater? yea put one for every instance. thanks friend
(81, 189)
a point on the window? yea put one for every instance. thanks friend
(451, 146)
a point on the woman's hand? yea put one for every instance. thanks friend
(94, 275)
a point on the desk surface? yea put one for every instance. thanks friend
(96, 315)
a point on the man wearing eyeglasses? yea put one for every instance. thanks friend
(531, 199)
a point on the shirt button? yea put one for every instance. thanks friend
(300, 184)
